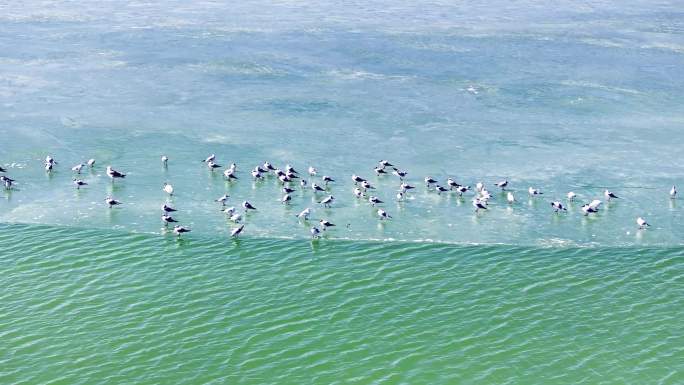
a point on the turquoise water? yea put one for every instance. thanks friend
(577, 97)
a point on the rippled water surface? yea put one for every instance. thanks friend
(572, 96)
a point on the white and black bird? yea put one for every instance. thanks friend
(256, 174)
(327, 179)
(429, 181)
(404, 187)
(222, 199)
(642, 223)
(327, 201)
(367, 186)
(357, 179)
(302, 183)
(383, 214)
(462, 189)
(290, 170)
(317, 188)
(325, 224)
(510, 198)
(79, 183)
(452, 184)
(178, 230)
(7, 181)
(401, 174)
(233, 167)
(357, 192)
(248, 206)
(212, 166)
(380, 171)
(673, 192)
(287, 190)
(168, 188)
(304, 215)
(589, 209)
(400, 196)
(441, 189)
(236, 232)
(479, 205)
(165, 160)
(312, 171)
(167, 209)
(284, 179)
(114, 174)
(385, 163)
(210, 159)
(534, 191)
(558, 206)
(229, 210)
(609, 195)
(286, 199)
(236, 217)
(91, 163)
(77, 168)
(373, 200)
(48, 167)
(166, 218)
(315, 232)
(571, 196)
(502, 185)
(111, 202)
(268, 166)
(229, 174)
(595, 204)
(50, 160)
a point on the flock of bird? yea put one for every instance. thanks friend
(362, 190)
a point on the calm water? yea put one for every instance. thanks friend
(577, 97)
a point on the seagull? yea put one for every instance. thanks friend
(269, 166)
(510, 198)
(50, 160)
(429, 181)
(315, 232)
(166, 218)
(485, 195)
(383, 214)
(325, 224)
(236, 218)
(357, 192)
(327, 201)
(178, 230)
(260, 170)
(114, 174)
(312, 171)
(79, 183)
(534, 191)
(327, 179)
(357, 179)
(673, 192)
(210, 159)
(479, 186)
(452, 184)
(462, 189)
(256, 174)
(229, 174)
(285, 199)
(440, 189)
(304, 214)
(502, 185)
(479, 205)
(7, 181)
(229, 210)
(316, 187)
(211, 165)
(374, 200)
(405, 187)
(385, 163)
(287, 190)
(379, 171)
(168, 189)
(248, 206)
(237, 231)
(233, 167)
(610, 195)
(367, 186)
(557, 205)
(400, 196)
(571, 196)
(284, 179)
(642, 223)
(290, 170)
(399, 173)
(595, 204)
(587, 209)
(302, 182)
(48, 167)
(111, 202)
(167, 209)
(77, 168)
(223, 199)
(91, 163)
(165, 160)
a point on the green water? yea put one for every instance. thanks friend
(97, 307)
